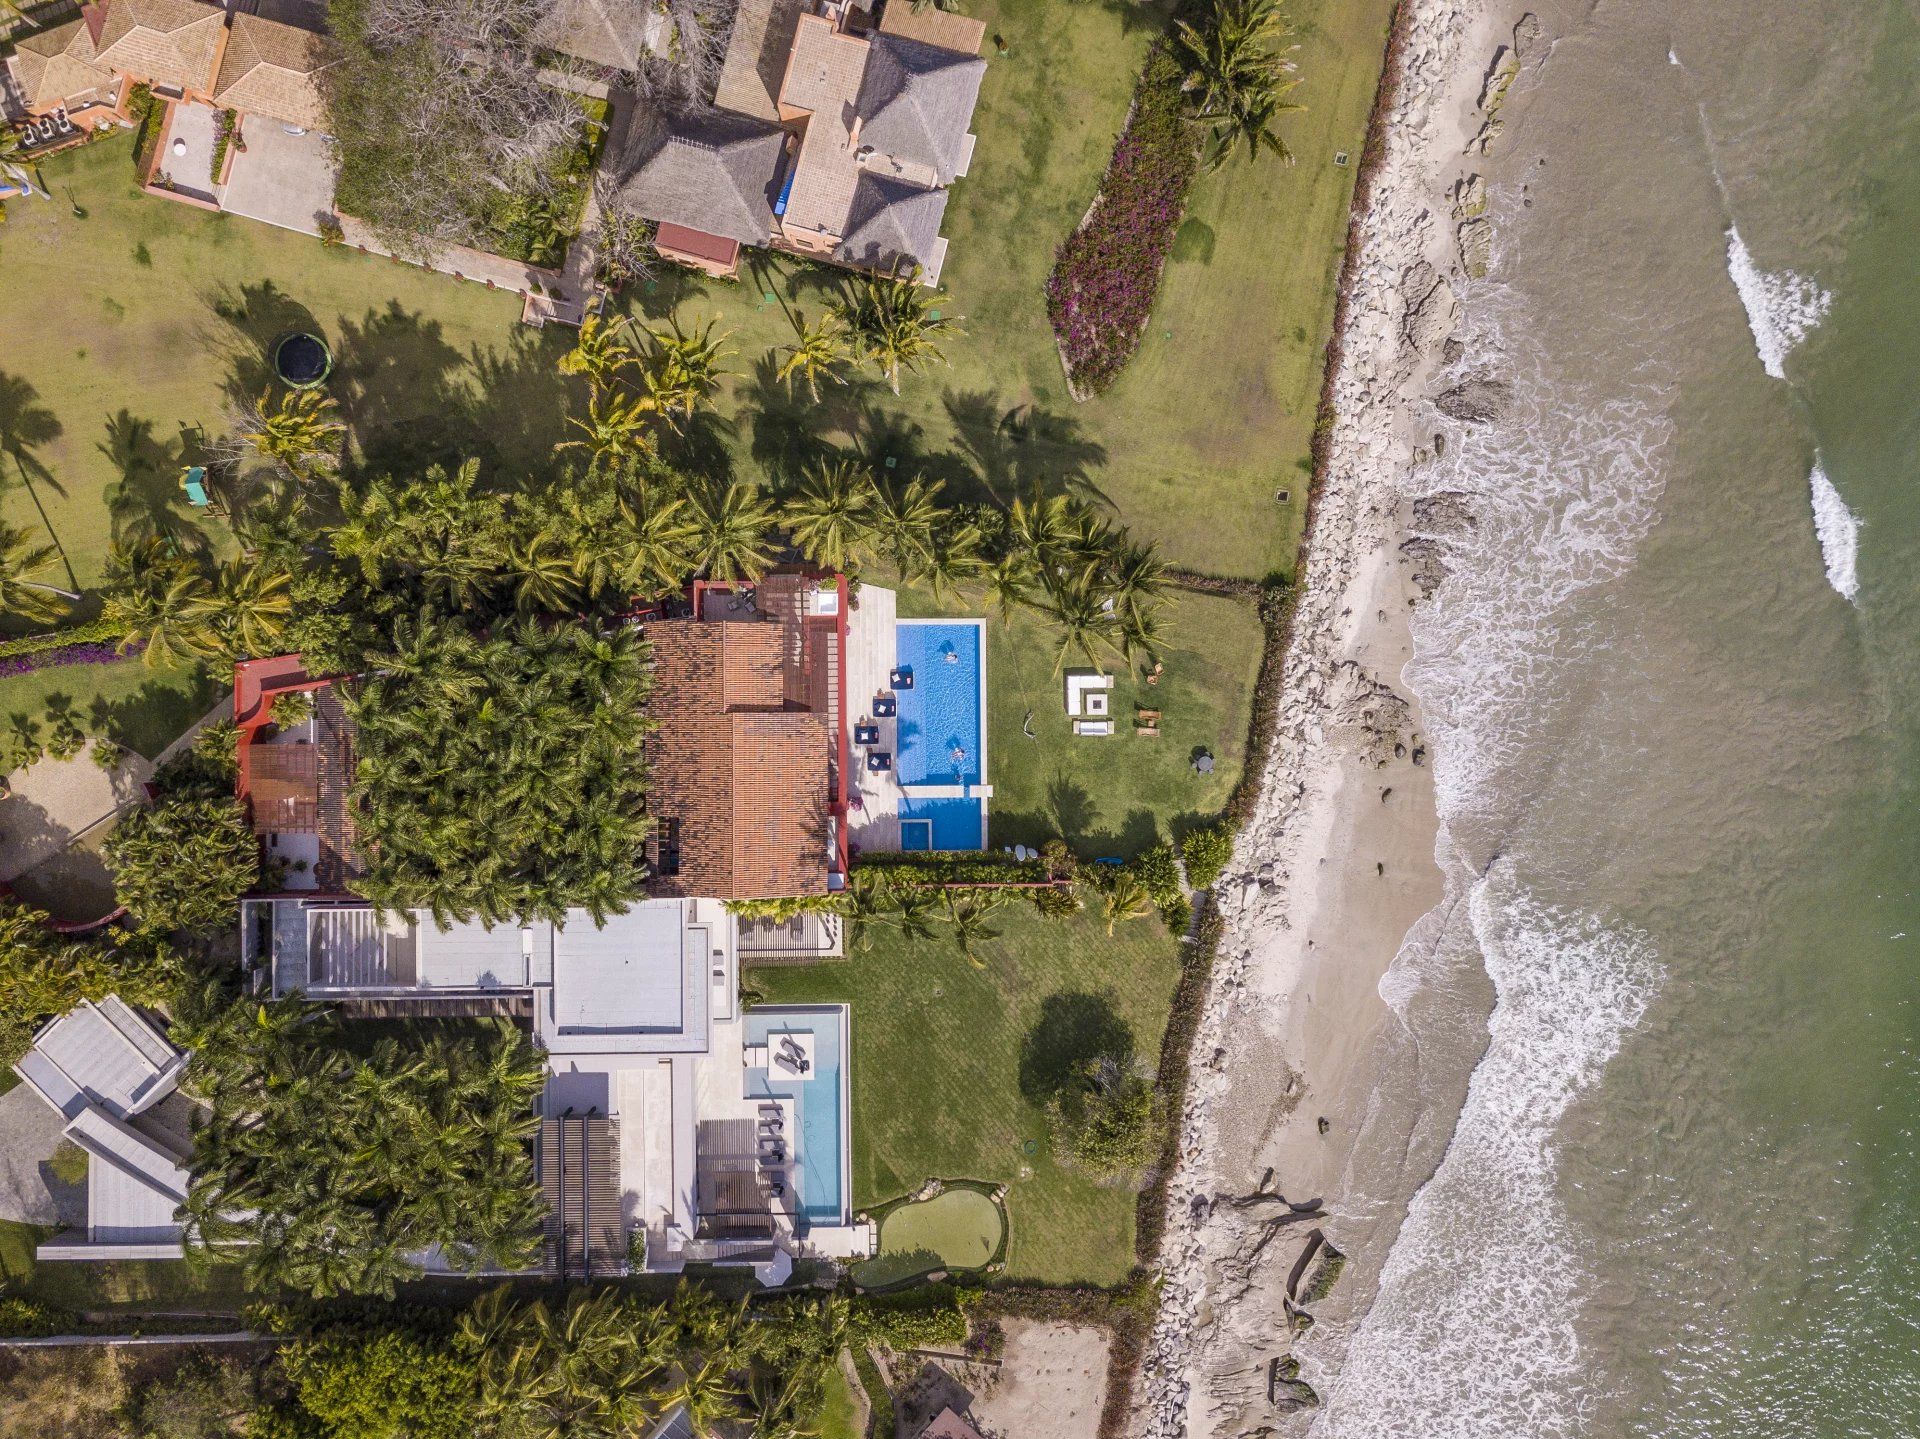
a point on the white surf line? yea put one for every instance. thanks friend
(1839, 531)
(1782, 306)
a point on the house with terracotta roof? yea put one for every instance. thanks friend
(719, 1131)
(853, 147)
(198, 60)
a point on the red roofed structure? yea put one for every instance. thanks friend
(747, 763)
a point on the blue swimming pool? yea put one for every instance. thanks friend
(940, 735)
(820, 1157)
(955, 823)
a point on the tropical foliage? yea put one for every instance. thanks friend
(177, 608)
(182, 862)
(891, 325)
(23, 560)
(1105, 277)
(1219, 83)
(1206, 854)
(502, 777)
(1051, 554)
(1237, 76)
(323, 1166)
(43, 973)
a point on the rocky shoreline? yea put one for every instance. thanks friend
(1311, 913)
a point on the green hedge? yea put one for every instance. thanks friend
(956, 867)
(30, 1319)
(93, 632)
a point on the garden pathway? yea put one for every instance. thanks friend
(51, 804)
(29, 1134)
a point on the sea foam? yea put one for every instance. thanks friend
(1473, 1334)
(1472, 1331)
(1782, 306)
(1839, 531)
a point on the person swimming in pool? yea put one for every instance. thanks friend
(959, 755)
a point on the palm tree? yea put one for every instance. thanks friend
(819, 352)
(905, 521)
(1087, 625)
(893, 324)
(160, 601)
(1238, 76)
(1126, 899)
(915, 916)
(544, 571)
(731, 526)
(954, 556)
(653, 547)
(600, 354)
(304, 427)
(969, 920)
(868, 906)
(684, 370)
(615, 426)
(1010, 581)
(831, 515)
(21, 558)
(248, 607)
(708, 1393)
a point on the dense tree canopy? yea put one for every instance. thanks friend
(183, 862)
(332, 1166)
(502, 777)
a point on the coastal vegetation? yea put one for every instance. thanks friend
(1220, 81)
(324, 1164)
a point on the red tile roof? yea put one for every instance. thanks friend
(739, 777)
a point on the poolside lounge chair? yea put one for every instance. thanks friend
(866, 734)
(902, 678)
(194, 482)
(880, 760)
(884, 707)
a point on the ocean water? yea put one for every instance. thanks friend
(1643, 1160)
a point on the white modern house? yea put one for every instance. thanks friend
(112, 1075)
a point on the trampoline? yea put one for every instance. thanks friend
(302, 361)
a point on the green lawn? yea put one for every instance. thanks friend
(1114, 795)
(144, 709)
(947, 1060)
(129, 331)
(139, 1286)
(960, 1228)
(838, 1411)
(1215, 415)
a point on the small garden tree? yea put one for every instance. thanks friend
(183, 862)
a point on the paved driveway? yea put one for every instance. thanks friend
(29, 1133)
(283, 179)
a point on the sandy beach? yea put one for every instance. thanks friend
(1338, 863)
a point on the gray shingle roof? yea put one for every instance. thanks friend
(611, 33)
(892, 223)
(916, 102)
(713, 172)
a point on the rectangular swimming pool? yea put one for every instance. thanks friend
(946, 823)
(820, 1103)
(940, 730)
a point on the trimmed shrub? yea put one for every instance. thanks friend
(955, 867)
(1207, 852)
(58, 639)
(30, 1319)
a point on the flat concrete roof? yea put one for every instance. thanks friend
(625, 976)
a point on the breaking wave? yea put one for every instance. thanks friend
(1472, 1333)
(1839, 531)
(1782, 307)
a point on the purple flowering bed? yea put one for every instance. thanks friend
(92, 653)
(1105, 276)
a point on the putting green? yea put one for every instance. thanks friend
(956, 1229)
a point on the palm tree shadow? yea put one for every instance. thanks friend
(255, 317)
(1012, 451)
(26, 424)
(148, 503)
